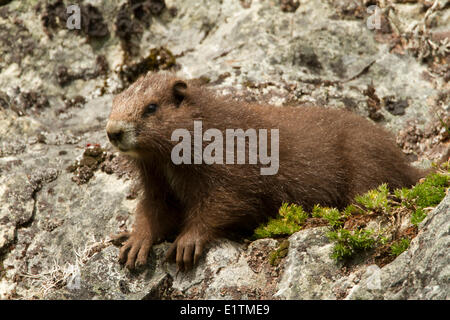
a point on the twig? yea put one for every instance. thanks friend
(363, 71)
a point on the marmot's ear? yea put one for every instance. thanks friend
(179, 90)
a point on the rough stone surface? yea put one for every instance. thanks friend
(56, 88)
(309, 271)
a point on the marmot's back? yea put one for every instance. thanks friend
(336, 155)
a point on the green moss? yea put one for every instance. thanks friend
(289, 220)
(350, 242)
(418, 216)
(400, 246)
(375, 199)
(426, 194)
(332, 215)
(380, 201)
(431, 191)
(276, 255)
(316, 211)
(404, 195)
(351, 210)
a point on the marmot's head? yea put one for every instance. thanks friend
(143, 116)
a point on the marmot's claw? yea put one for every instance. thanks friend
(143, 253)
(123, 254)
(134, 251)
(170, 255)
(187, 252)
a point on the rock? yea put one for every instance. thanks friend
(224, 273)
(422, 272)
(309, 271)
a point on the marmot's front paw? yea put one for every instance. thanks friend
(135, 249)
(188, 248)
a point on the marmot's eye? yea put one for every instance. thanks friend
(151, 108)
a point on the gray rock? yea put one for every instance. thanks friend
(422, 272)
(309, 271)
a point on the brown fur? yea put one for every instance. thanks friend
(327, 156)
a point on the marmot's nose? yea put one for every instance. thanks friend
(115, 136)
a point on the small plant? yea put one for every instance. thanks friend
(418, 216)
(293, 213)
(375, 199)
(404, 195)
(431, 191)
(399, 247)
(347, 243)
(332, 215)
(317, 211)
(289, 220)
(351, 210)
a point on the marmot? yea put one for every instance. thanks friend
(326, 156)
